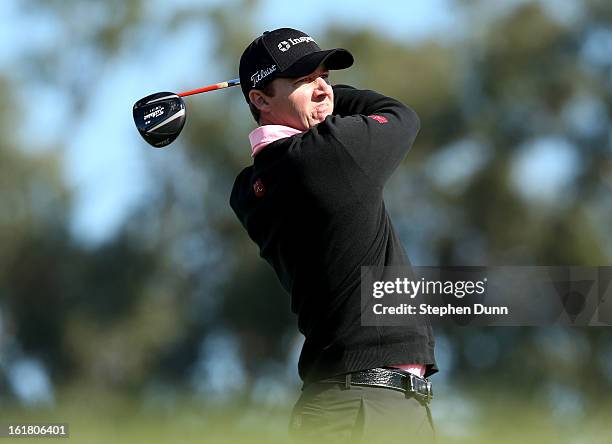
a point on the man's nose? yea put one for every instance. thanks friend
(323, 85)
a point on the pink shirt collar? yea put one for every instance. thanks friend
(264, 135)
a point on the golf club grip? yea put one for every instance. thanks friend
(221, 85)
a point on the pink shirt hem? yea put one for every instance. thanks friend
(415, 369)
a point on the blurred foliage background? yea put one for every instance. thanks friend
(147, 333)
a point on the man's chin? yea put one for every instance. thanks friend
(315, 122)
(320, 116)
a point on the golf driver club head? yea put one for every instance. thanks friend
(159, 118)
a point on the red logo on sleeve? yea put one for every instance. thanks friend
(379, 119)
(259, 188)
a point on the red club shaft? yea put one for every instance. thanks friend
(211, 88)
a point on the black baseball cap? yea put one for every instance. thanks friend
(285, 52)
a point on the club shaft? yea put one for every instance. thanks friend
(214, 87)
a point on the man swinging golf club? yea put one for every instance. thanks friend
(313, 203)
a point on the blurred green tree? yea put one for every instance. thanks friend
(136, 310)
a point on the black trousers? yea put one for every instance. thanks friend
(333, 413)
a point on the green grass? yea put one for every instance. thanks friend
(98, 418)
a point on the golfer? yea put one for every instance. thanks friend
(313, 203)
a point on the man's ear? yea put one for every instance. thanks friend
(259, 99)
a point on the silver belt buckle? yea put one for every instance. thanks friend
(421, 388)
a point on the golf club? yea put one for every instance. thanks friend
(160, 117)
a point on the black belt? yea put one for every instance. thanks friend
(395, 379)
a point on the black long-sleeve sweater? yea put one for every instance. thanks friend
(314, 205)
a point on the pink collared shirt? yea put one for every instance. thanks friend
(264, 135)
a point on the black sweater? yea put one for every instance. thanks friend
(314, 205)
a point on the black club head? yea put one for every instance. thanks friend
(159, 118)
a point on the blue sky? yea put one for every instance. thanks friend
(110, 177)
(105, 159)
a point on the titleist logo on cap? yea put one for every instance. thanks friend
(262, 74)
